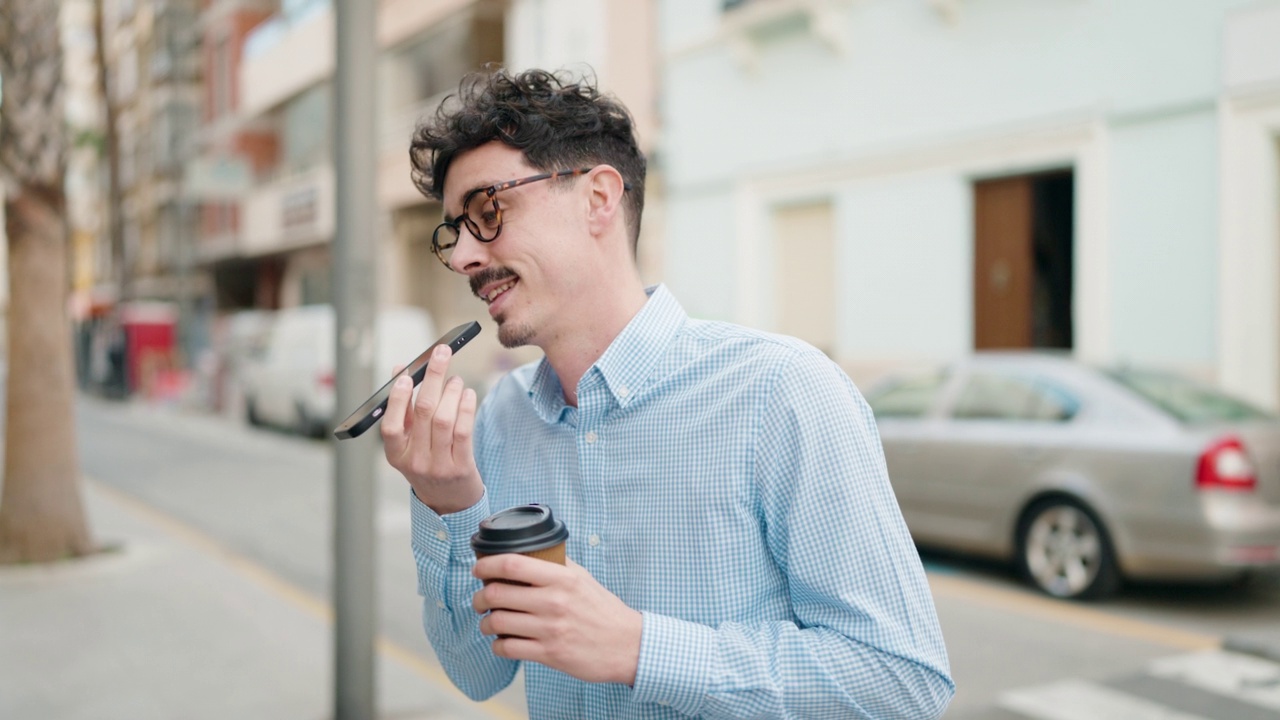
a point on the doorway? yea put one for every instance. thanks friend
(1023, 261)
(805, 262)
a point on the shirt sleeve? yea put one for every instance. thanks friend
(865, 641)
(442, 552)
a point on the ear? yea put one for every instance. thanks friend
(604, 200)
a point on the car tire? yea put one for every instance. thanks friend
(305, 425)
(302, 424)
(1066, 551)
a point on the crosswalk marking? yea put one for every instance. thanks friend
(1243, 677)
(1209, 685)
(1084, 700)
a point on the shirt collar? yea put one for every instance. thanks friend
(627, 363)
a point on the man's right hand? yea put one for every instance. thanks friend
(429, 439)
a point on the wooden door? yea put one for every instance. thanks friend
(1003, 274)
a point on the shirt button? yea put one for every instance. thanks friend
(594, 540)
(442, 535)
(592, 437)
(440, 604)
(623, 391)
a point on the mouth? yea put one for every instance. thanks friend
(492, 293)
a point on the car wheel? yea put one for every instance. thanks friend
(1065, 551)
(302, 424)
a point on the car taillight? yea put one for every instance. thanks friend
(1226, 466)
(325, 379)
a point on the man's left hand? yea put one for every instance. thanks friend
(564, 619)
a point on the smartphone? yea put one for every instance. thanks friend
(368, 414)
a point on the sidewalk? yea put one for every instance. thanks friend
(174, 626)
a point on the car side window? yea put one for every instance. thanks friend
(988, 396)
(906, 398)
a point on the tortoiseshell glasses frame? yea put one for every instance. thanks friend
(485, 223)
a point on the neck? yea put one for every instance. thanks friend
(574, 351)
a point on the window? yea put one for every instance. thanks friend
(220, 92)
(998, 397)
(1185, 400)
(907, 397)
(306, 123)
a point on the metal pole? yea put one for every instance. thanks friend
(354, 579)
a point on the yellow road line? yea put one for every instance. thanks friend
(294, 595)
(1058, 611)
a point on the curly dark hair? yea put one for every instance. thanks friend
(555, 122)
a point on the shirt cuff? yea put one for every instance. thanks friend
(676, 663)
(442, 538)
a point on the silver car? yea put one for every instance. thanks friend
(1082, 476)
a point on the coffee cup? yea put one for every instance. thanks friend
(530, 530)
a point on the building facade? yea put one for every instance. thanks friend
(274, 250)
(151, 53)
(903, 183)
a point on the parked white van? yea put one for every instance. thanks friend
(291, 383)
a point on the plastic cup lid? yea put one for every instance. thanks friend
(521, 529)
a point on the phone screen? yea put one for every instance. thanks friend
(368, 414)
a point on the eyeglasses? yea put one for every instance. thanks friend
(484, 221)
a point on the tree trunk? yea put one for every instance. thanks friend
(41, 515)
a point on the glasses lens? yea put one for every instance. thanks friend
(444, 241)
(484, 217)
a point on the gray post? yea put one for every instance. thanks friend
(355, 146)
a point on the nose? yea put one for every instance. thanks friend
(469, 253)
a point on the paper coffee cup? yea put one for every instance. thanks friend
(525, 530)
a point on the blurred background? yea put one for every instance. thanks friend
(901, 183)
(816, 169)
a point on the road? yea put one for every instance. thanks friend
(1014, 653)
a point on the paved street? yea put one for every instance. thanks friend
(257, 504)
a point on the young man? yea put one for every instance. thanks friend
(735, 550)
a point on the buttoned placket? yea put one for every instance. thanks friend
(594, 401)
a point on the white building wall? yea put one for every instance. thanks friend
(895, 108)
(1249, 224)
(920, 310)
(1164, 216)
(554, 34)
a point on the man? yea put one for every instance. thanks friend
(735, 550)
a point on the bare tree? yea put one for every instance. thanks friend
(41, 514)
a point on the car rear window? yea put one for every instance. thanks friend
(906, 397)
(993, 396)
(1186, 400)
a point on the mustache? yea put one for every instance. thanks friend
(487, 276)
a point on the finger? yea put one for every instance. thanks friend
(396, 418)
(502, 596)
(446, 416)
(519, 648)
(518, 568)
(464, 428)
(509, 622)
(429, 393)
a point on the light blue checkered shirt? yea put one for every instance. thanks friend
(730, 485)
